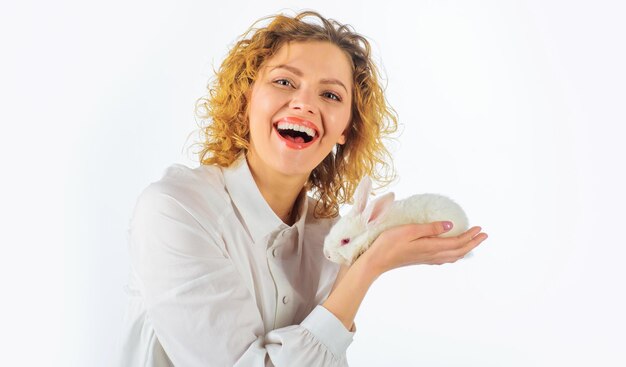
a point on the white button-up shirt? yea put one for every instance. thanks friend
(218, 279)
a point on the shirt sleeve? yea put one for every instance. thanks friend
(201, 311)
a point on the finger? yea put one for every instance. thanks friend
(452, 243)
(456, 254)
(468, 234)
(412, 231)
(419, 230)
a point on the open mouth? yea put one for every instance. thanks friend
(295, 136)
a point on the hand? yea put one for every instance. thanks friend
(413, 244)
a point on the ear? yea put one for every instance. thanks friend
(342, 137)
(361, 194)
(377, 209)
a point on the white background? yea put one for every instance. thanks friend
(515, 109)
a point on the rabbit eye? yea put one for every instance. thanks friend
(345, 241)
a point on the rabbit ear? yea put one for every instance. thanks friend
(361, 194)
(377, 209)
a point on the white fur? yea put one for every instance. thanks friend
(364, 222)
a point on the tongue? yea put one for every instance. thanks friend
(297, 139)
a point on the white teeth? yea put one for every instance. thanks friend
(304, 129)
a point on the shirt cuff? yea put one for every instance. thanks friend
(329, 330)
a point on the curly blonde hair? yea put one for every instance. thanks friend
(334, 180)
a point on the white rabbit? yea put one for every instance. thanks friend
(354, 233)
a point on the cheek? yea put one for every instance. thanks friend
(263, 105)
(339, 122)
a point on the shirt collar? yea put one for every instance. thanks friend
(255, 211)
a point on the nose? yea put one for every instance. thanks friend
(303, 101)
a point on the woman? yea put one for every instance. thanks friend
(227, 261)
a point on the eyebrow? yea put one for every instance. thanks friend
(299, 73)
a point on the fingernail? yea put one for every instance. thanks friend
(447, 226)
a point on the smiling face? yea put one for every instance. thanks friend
(308, 84)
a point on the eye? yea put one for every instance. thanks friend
(345, 241)
(284, 82)
(332, 96)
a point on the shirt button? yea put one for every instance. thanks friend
(285, 300)
(274, 252)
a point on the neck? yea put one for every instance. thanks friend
(279, 191)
